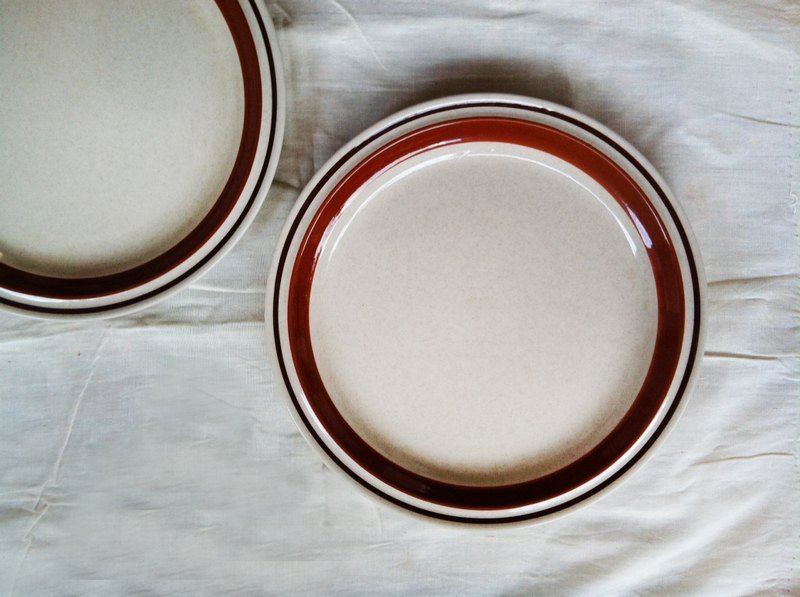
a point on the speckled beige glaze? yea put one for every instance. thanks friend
(483, 313)
(95, 182)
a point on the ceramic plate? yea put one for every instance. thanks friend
(139, 139)
(486, 309)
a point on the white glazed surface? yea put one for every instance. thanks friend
(483, 313)
(95, 183)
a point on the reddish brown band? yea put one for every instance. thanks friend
(669, 289)
(82, 288)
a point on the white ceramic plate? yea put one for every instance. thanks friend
(486, 309)
(139, 140)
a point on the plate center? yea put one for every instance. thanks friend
(483, 313)
(120, 122)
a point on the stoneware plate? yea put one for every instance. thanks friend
(139, 138)
(486, 309)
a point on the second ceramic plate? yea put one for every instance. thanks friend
(139, 138)
(486, 309)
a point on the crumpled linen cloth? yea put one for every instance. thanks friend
(153, 453)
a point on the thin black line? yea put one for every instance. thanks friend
(681, 388)
(224, 241)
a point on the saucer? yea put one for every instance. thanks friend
(139, 140)
(486, 309)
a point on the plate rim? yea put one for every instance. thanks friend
(695, 310)
(244, 208)
(455, 134)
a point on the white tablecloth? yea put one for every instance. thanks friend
(154, 454)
